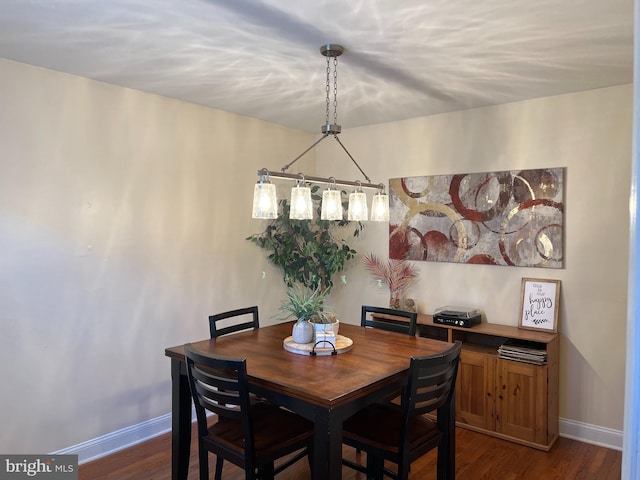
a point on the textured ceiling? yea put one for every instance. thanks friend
(403, 58)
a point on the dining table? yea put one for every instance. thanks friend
(325, 388)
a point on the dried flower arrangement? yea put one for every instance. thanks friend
(396, 274)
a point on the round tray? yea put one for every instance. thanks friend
(343, 344)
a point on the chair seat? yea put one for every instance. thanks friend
(275, 430)
(379, 425)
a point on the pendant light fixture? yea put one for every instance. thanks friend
(380, 207)
(358, 210)
(264, 196)
(301, 205)
(265, 201)
(331, 203)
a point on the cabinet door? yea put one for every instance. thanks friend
(521, 406)
(475, 390)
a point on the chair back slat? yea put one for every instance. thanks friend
(224, 401)
(217, 384)
(389, 319)
(233, 321)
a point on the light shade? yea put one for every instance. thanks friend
(380, 207)
(331, 205)
(265, 201)
(358, 211)
(301, 206)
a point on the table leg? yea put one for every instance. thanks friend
(180, 421)
(327, 455)
(447, 449)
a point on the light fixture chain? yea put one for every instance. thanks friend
(335, 90)
(328, 89)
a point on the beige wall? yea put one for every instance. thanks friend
(589, 133)
(122, 225)
(118, 238)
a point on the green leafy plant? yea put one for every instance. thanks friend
(304, 304)
(307, 250)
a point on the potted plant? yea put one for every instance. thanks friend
(308, 251)
(396, 274)
(307, 306)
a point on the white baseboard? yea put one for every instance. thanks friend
(118, 440)
(584, 432)
(129, 436)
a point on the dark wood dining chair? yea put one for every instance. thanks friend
(389, 319)
(401, 434)
(233, 321)
(250, 435)
(229, 322)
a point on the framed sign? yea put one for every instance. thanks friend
(539, 304)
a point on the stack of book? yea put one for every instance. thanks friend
(523, 351)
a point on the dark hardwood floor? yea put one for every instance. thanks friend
(478, 457)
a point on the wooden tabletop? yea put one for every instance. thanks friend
(377, 357)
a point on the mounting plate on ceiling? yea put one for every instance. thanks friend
(331, 50)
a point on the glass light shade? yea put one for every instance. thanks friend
(380, 207)
(301, 206)
(331, 205)
(358, 210)
(265, 202)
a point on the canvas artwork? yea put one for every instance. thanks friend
(513, 218)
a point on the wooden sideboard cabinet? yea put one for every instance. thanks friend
(507, 399)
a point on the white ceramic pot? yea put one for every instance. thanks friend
(326, 327)
(302, 332)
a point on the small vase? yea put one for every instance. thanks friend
(394, 299)
(302, 332)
